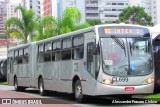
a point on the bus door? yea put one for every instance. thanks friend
(90, 66)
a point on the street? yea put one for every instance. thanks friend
(57, 99)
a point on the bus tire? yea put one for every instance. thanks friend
(42, 91)
(78, 92)
(17, 88)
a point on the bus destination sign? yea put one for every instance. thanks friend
(122, 31)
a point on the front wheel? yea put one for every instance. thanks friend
(42, 91)
(78, 92)
(18, 88)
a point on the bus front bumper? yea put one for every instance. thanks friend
(103, 89)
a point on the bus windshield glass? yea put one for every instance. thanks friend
(126, 56)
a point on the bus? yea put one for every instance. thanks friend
(109, 59)
(3, 70)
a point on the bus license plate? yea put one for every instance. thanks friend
(120, 79)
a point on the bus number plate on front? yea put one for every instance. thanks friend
(120, 79)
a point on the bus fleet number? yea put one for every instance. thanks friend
(120, 79)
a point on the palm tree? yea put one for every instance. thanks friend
(21, 28)
(44, 27)
(70, 21)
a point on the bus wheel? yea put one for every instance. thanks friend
(42, 91)
(78, 92)
(18, 88)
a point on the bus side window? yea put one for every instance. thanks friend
(25, 56)
(66, 49)
(47, 53)
(56, 47)
(40, 53)
(78, 47)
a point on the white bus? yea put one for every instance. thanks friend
(112, 59)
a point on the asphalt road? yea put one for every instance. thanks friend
(55, 99)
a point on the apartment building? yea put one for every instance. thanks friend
(109, 10)
(11, 10)
(92, 9)
(47, 7)
(105, 10)
(3, 17)
(36, 5)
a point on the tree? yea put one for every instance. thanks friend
(70, 21)
(135, 15)
(93, 22)
(21, 28)
(44, 27)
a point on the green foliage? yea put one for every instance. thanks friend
(3, 83)
(81, 26)
(21, 28)
(93, 22)
(135, 15)
(44, 27)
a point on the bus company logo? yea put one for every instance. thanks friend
(129, 88)
(6, 101)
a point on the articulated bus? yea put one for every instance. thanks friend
(112, 59)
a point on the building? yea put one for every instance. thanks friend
(151, 7)
(36, 5)
(109, 10)
(47, 7)
(3, 17)
(62, 5)
(92, 9)
(105, 10)
(11, 10)
(155, 10)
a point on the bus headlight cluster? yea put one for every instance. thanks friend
(107, 81)
(150, 80)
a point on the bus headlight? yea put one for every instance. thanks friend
(107, 81)
(150, 80)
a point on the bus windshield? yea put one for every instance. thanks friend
(134, 58)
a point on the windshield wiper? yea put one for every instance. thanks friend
(119, 43)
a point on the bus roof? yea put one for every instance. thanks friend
(73, 33)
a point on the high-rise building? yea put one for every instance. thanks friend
(47, 7)
(36, 5)
(109, 10)
(63, 4)
(105, 10)
(155, 13)
(11, 10)
(3, 17)
(92, 9)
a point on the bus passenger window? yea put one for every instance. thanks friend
(56, 47)
(66, 46)
(40, 53)
(78, 47)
